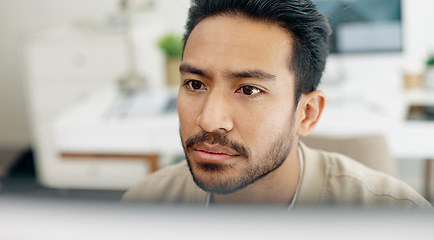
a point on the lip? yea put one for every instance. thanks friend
(214, 153)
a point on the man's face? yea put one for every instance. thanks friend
(235, 102)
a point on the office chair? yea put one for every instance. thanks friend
(371, 150)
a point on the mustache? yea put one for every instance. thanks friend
(217, 138)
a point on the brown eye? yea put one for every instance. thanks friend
(249, 90)
(196, 85)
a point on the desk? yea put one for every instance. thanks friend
(102, 125)
(114, 140)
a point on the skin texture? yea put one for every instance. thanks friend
(239, 123)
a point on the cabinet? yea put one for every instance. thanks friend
(63, 67)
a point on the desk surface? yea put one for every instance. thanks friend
(99, 125)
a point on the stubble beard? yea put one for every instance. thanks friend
(226, 179)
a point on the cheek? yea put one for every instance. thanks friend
(187, 112)
(261, 127)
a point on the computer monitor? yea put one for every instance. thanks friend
(363, 26)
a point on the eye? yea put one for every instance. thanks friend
(249, 90)
(194, 85)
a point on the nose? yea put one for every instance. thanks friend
(215, 115)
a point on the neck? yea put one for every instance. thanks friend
(278, 187)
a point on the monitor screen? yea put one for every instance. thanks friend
(363, 25)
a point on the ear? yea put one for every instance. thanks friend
(309, 111)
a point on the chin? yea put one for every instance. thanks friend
(216, 178)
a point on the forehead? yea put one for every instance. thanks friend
(234, 41)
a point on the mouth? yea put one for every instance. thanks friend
(214, 153)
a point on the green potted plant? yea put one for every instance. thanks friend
(172, 44)
(429, 77)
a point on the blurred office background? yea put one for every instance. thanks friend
(87, 104)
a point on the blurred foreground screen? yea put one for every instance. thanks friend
(72, 220)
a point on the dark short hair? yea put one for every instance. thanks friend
(308, 28)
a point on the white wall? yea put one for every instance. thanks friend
(419, 33)
(17, 18)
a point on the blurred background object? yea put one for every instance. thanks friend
(429, 78)
(56, 54)
(172, 45)
(371, 150)
(363, 25)
(62, 61)
(132, 80)
(360, 27)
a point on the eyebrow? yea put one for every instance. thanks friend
(256, 73)
(187, 68)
